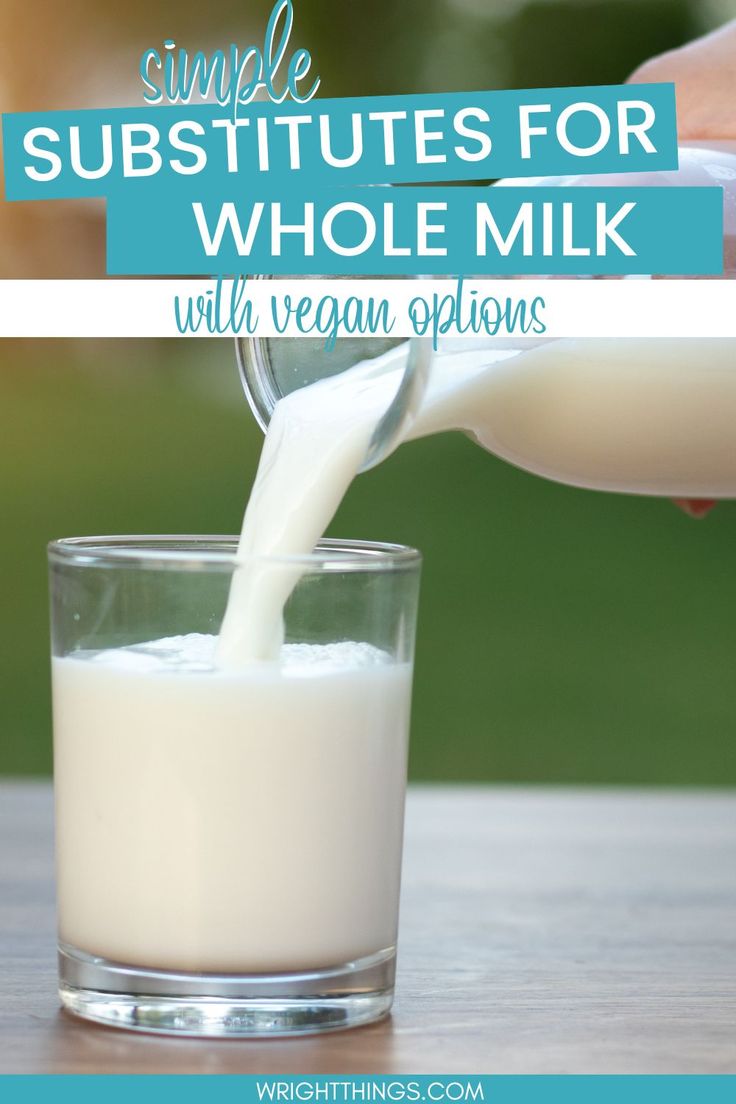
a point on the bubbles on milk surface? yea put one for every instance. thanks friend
(195, 653)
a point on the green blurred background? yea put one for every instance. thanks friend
(564, 636)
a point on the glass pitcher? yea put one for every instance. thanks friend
(273, 367)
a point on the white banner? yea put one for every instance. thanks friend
(630, 307)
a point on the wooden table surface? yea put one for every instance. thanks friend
(543, 931)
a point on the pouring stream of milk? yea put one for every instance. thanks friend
(315, 445)
(651, 416)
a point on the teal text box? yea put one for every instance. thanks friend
(502, 108)
(673, 231)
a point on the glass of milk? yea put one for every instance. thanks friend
(229, 839)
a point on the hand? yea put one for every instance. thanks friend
(704, 73)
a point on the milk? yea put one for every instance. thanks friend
(643, 416)
(315, 445)
(229, 822)
(646, 416)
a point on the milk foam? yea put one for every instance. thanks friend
(196, 653)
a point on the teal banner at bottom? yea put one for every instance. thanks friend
(366, 1089)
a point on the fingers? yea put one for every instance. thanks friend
(695, 507)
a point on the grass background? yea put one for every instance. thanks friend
(564, 635)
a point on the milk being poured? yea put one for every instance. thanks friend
(647, 416)
(188, 747)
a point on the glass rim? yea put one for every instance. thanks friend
(194, 551)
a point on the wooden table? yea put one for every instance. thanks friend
(543, 931)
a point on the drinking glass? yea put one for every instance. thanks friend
(229, 841)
